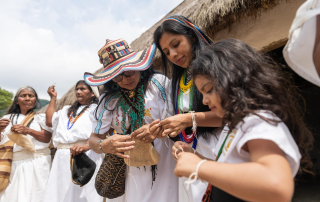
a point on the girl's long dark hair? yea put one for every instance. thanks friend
(74, 107)
(174, 27)
(248, 81)
(15, 110)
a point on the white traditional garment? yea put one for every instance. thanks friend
(206, 148)
(253, 127)
(139, 186)
(60, 188)
(28, 177)
(298, 51)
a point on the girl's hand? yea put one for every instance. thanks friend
(78, 149)
(116, 144)
(20, 129)
(176, 148)
(174, 125)
(143, 134)
(156, 130)
(3, 124)
(186, 164)
(52, 92)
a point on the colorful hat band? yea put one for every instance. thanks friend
(187, 23)
(110, 53)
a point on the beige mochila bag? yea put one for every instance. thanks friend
(23, 140)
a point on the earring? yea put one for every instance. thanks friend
(115, 86)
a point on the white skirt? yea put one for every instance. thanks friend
(60, 187)
(28, 180)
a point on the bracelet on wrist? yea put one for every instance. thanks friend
(194, 175)
(99, 146)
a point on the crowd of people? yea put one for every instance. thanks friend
(226, 126)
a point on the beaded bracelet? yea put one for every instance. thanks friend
(99, 146)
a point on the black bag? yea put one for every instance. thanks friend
(110, 180)
(82, 169)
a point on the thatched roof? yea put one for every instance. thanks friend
(210, 15)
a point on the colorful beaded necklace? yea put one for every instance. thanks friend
(73, 119)
(131, 103)
(185, 89)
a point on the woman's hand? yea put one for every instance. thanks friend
(20, 129)
(143, 134)
(116, 144)
(174, 125)
(3, 124)
(176, 148)
(156, 130)
(186, 164)
(78, 149)
(52, 92)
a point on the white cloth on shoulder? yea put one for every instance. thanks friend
(28, 178)
(298, 51)
(252, 128)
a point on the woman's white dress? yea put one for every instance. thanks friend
(139, 186)
(60, 188)
(205, 147)
(28, 178)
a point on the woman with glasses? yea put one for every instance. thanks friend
(134, 96)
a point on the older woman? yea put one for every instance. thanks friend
(134, 97)
(72, 129)
(29, 171)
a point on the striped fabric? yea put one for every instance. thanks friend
(117, 57)
(186, 22)
(6, 153)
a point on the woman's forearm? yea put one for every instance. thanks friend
(50, 111)
(93, 141)
(41, 136)
(248, 181)
(316, 49)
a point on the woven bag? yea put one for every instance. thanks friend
(143, 154)
(110, 180)
(6, 154)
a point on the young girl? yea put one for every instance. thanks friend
(178, 40)
(258, 153)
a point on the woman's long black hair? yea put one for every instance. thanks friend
(14, 109)
(75, 106)
(248, 81)
(174, 27)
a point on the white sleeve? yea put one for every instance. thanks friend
(55, 119)
(256, 128)
(41, 120)
(102, 117)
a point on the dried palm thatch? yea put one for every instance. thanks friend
(210, 15)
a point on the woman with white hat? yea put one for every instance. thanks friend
(72, 129)
(134, 96)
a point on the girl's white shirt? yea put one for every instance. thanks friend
(37, 124)
(252, 128)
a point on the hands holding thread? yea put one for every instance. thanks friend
(117, 144)
(20, 129)
(52, 92)
(171, 126)
(186, 164)
(3, 124)
(143, 134)
(176, 149)
(78, 149)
